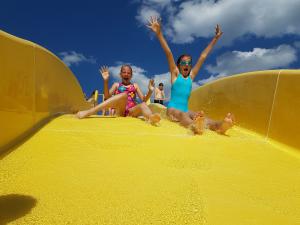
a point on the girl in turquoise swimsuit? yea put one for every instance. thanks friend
(182, 76)
(122, 97)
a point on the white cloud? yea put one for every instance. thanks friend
(145, 13)
(192, 19)
(73, 58)
(258, 59)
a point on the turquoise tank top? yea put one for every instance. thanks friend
(180, 93)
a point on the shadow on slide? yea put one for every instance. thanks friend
(14, 206)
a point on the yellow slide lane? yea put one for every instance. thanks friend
(125, 171)
(104, 170)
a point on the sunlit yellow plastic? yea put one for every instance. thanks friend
(96, 96)
(267, 102)
(284, 126)
(106, 170)
(35, 85)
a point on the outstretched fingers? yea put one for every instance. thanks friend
(103, 69)
(218, 31)
(151, 82)
(104, 72)
(151, 85)
(153, 21)
(150, 21)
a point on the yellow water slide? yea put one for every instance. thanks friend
(56, 169)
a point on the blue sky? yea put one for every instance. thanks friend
(258, 35)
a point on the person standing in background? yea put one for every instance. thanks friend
(159, 94)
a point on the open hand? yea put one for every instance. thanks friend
(151, 85)
(104, 72)
(218, 31)
(154, 24)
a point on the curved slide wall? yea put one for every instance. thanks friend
(35, 86)
(267, 102)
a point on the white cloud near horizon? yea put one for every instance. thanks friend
(258, 59)
(73, 58)
(188, 20)
(145, 13)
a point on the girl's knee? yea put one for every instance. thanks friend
(143, 105)
(182, 114)
(170, 111)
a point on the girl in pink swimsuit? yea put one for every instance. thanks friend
(122, 97)
(130, 90)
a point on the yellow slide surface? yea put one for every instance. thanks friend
(105, 170)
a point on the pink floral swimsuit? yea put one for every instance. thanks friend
(130, 90)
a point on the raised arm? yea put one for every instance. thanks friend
(105, 75)
(156, 90)
(150, 91)
(205, 53)
(155, 26)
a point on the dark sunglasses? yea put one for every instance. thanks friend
(183, 63)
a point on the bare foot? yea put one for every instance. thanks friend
(82, 114)
(172, 118)
(198, 125)
(154, 118)
(226, 124)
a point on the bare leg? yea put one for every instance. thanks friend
(221, 126)
(193, 121)
(194, 115)
(178, 116)
(118, 102)
(143, 110)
